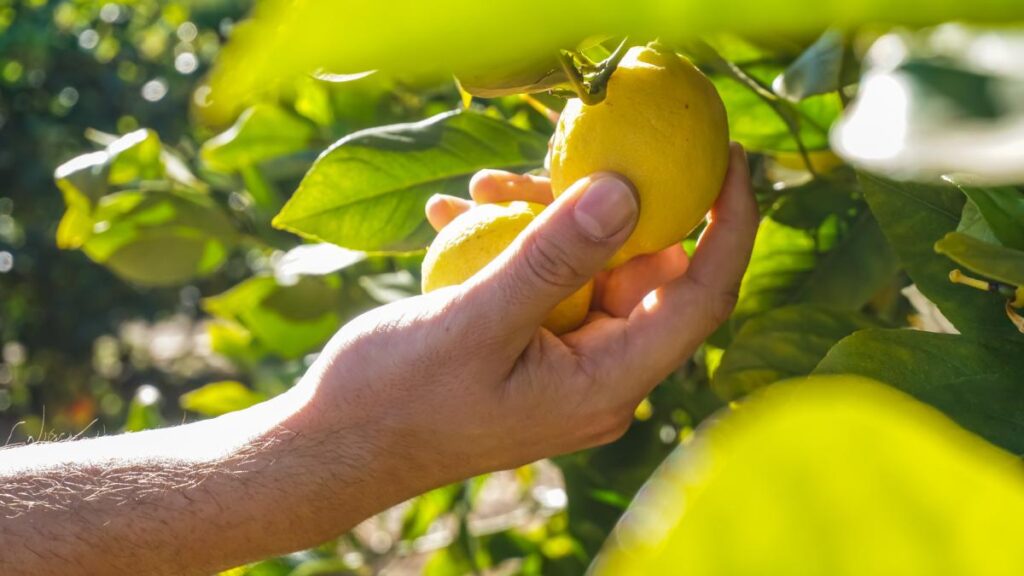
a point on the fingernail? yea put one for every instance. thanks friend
(606, 208)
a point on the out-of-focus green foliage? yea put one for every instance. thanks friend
(837, 476)
(290, 38)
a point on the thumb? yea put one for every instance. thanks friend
(559, 252)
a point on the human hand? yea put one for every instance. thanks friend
(463, 380)
(408, 397)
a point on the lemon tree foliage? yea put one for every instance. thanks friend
(835, 475)
(368, 190)
(290, 198)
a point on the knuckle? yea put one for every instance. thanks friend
(550, 263)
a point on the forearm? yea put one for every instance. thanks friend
(187, 500)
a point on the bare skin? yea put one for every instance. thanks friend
(406, 398)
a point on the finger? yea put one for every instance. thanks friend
(623, 288)
(559, 252)
(492, 186)
(442, 209)
(673, 320)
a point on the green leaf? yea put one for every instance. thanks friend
(808, 205)
(144, 410)
(990, 260)
(973, 223)
(1003, 210)
(130, 159)
(287, 40)
(390, 286)
(976, 383)
(782, 343)
(818, 70)
(218, 398)
(427, 508)
(841, 265)
(367, 191)
(835, 476)
(754, 122)
(159, 238)
(914, 217)
(262, 132)
(287, 320)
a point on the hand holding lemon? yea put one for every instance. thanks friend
(662, 126)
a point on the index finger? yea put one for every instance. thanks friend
(493, 186)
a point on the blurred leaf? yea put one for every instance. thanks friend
(262, 132)
(427, 508)
(780, 344)
(231, 339)
(1003, 211)
(390, 286)
(449, 561)
(368, 190)
(938, 102)
(126, 160)
(287, 320)
(218, 398)
(159, 238)
(976, 383)
(287, 40)
(144, 410)
(808, 205)
(914, 217)
(828, 475)
(990, 260)
(525, 78)
(818, 70)
(314, 259)
(841, 265)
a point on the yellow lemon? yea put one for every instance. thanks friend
(479, 235)
(663, 126)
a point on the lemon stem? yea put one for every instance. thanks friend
(593, 91)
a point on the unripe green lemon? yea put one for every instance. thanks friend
(663, 126)
(479, 235)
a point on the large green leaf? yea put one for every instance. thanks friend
(829, 476)
(914, 217)
(977, 384)
(288, 39)
(990, 260)
(159, 238)
(780, 344)
(841, 264)
(287, 320)
(262, 132)
(367, 191)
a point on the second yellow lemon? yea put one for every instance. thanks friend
(663, 126)
(474, 238)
